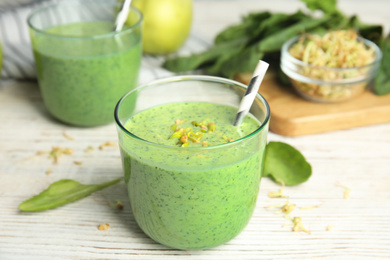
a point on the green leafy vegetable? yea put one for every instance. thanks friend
(252, 22)
(260, 35)
(60, 193)
(372, 32)
(181, 64)
(274, 43)
(283, 163)
(382, 80)
(328, 6)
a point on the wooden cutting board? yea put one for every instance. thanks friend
(291, 115)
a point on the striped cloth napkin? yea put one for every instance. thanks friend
(18, 61)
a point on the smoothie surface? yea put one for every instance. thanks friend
(190, 124)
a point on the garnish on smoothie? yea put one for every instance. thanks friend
(185, 135)
(190, 124)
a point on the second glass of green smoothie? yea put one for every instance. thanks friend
(192, 177)
(83, 65)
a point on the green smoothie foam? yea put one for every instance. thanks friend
(197, 196)
(82, 79)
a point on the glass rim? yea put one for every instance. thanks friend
(47, 6)
(188, 78)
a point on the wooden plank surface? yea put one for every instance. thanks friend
(292, 115)
(357, 158)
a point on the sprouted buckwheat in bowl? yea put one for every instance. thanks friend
(333, 67)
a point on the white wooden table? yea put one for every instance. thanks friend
(357, 158)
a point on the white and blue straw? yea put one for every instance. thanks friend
(251, 91)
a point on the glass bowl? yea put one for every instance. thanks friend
(326, 84)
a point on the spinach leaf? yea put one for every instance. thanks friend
(278, 22)
(254, 27)
(60, 193)
(284, 163)
(372, 32)
(201, 60)
(328, 6)
(382, 79)
(228, 63)
(337, 21)
(275, 41)
(250, 25)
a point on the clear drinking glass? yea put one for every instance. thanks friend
(83, 66)
(191, 197)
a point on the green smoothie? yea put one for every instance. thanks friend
(83, 70)
(197, 195)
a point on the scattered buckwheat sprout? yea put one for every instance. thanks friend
(278, 194)
(56, 152)
(89, 149)
(103, 226)
(286, 208)
(107, 144)
(70, 138)
(347, 190)
(330, 227)
(117, 204)
(309, 207)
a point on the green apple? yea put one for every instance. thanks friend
(166, 24)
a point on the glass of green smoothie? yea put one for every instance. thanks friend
(83, 65)
(192, 177)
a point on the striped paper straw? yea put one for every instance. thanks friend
(122, 15)
(251, 91)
